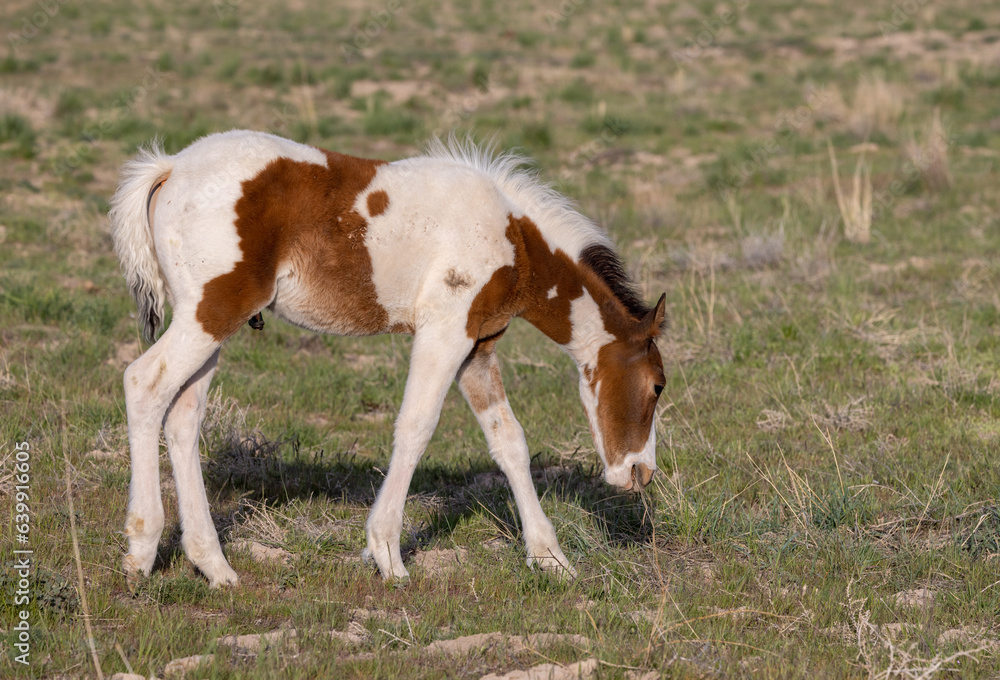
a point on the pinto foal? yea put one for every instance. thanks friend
(448, 247)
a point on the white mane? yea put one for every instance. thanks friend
(556, 216)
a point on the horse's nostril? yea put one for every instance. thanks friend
(643, 473)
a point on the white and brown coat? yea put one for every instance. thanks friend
(448, 247)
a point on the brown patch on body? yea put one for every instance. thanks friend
(301, 214)
(378, 202)
(495, 304)
(456, 280)
(522, 289)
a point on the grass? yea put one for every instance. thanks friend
(817, 200)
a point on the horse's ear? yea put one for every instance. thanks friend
(652, 324)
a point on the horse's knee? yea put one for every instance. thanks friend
(145, 525)
(144, 378)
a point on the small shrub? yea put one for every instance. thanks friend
(17, 138)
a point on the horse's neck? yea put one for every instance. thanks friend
(565, 300)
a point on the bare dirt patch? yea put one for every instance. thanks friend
(355, 635)
(551, 671)
(251, 645)
(125, 354)
(399, 91)
(969, 635)
(918, 597)
(512, 644)
(262, 553)
(179, 668)
(440, 561)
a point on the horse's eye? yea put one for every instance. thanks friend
(657, 389)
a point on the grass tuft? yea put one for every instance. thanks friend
(856, 207)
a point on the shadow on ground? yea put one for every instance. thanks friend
(242, 467)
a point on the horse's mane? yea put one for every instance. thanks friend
(609, 268)
(556, 215)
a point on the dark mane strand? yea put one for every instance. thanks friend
(606, 264)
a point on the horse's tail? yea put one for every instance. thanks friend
(132, 233)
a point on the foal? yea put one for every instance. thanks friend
(447, 247)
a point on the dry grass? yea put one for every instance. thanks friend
(725, 566)
(856, 207)
(770, 420)
(928, 157)
(883, 657)
(878, 329)
(854, 416)
(876, 108)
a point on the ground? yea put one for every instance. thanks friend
(814, 187)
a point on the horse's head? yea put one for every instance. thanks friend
(620, 394)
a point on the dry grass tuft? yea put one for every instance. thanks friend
(7, 379)
(877, 330)
(264, 524)
(877, 107)
(7, 472)
(773, 421)
(224, 418)
(882, 657)
(929, 157)
(855, 209)
(853, 416)
(795, 494)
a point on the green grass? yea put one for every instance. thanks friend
(828, 435)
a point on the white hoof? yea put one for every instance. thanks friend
(390, 566)
(553, 562)
(219, 575)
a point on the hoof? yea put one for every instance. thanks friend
(220, 575)
(396, 575)
(557, 565)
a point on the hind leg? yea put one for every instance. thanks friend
(181, 428)
(151, 383)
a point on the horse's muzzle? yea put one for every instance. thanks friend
(641, 473)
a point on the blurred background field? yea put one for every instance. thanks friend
(813, 185)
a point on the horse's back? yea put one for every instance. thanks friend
(330, 242)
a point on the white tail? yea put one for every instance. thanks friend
(133, 236)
